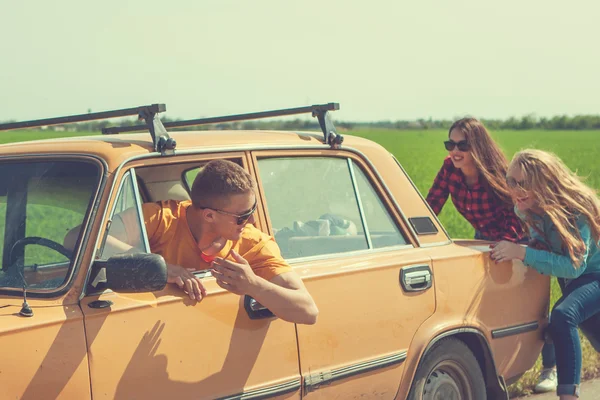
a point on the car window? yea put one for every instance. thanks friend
(42, 203)
(324, 205)
(382, 227)
(126, 222)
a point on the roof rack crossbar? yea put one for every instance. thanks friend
(317, 110)
(141, 110)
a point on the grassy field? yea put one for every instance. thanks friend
(25, 135)
(421, 153)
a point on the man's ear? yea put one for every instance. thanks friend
(208, 215)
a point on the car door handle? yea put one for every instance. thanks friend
(256, 310)
(416, 278)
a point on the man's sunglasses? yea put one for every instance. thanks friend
(241, 218)
(463, 145)
(512, 183)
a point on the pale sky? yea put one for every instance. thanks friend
(379, 59)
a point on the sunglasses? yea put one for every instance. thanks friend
(512, 183)
(463, 145)
(241, 218)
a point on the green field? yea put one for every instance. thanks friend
(24, 135)
(421, 154)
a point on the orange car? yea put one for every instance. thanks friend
(405, 312)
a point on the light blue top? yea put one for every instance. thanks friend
(558, 263)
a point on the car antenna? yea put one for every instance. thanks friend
(26, 311)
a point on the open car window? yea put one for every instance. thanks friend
(42, 207)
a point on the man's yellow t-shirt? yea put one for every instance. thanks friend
(170, 236)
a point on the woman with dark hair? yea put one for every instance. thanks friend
(474, 175)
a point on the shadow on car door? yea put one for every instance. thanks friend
(162, 344)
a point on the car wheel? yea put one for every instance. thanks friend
(449, 371)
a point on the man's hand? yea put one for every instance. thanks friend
(236, 277)
(285, 294)
(506, 251)
(186, 280)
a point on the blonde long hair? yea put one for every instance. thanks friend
(489, 159)
(561, 195)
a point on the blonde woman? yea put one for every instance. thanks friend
(561, 211)
(473, 175)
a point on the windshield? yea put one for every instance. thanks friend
(42, 205)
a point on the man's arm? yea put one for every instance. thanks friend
(285, 294)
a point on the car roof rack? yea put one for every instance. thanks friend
(161, 139)
(148, 113)
(321, 111)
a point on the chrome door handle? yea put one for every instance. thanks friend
(416, 278)
(255, 305)
(256, 310)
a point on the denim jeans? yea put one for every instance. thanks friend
(548, 352)
(580, 301)
(548, 356)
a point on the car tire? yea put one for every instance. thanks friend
(448, 371)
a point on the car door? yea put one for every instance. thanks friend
(44, 354)
(162, 344)
(372, 286)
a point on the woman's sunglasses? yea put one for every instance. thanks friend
(463, 145)
(241, 218)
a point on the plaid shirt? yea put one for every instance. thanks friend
(492, 218)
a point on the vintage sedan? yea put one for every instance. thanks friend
(405, 311)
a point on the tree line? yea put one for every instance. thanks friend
(561, 122)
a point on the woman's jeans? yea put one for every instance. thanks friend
(548, 356)
(580, 301)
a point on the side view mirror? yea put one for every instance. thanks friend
(132, 273)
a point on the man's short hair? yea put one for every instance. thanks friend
(217, 181)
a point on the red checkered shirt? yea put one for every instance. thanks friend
(490, 216)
